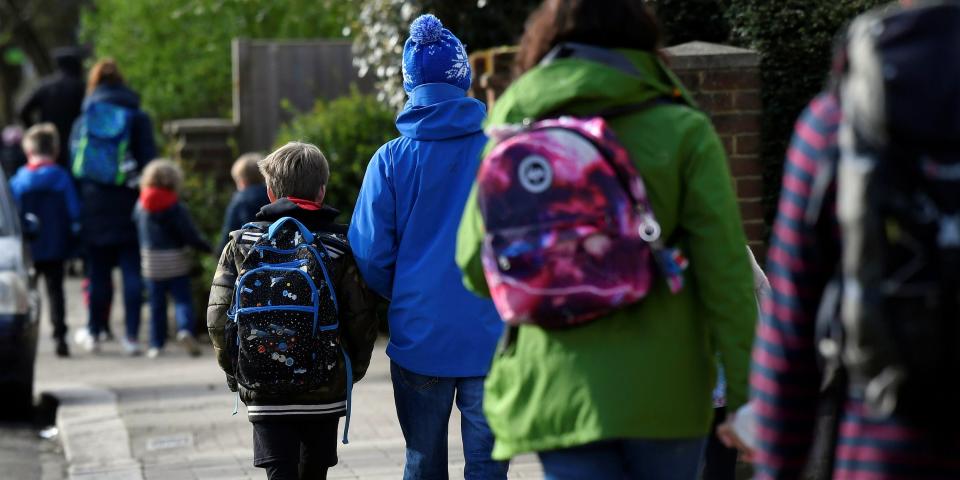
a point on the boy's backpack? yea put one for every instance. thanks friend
(889, 324)
(570, 234)
(103, 142)
(285, 321)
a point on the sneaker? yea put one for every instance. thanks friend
(154, 352)
(63, 350)
(87, 341)
(106, 336)
(189, 343)
(131, 347)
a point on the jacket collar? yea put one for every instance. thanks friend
(321, 218)
(583, 86)
(440, 111)
(431, 93)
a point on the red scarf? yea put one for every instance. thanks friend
(305, 204)
(39, 163)
(156, 199)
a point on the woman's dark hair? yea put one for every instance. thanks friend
(603, 23)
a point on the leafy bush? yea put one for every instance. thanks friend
(348, 130)
(176, 53)
(795, 40)
(688, 20)
(381, 30)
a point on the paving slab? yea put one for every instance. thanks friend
(171, 417)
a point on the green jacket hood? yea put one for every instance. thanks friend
(581, 86)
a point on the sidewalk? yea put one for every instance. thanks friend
(170, 418)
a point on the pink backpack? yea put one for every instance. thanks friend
(570, 235)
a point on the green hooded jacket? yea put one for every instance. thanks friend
(646, 371)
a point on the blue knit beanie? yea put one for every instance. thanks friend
(434, 55)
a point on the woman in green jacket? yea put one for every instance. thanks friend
(628, 395)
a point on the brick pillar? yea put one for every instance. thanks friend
(725, 81)
(207, 143)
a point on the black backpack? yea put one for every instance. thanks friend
(285, 321)
(889, 323)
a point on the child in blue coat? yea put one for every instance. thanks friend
(44, 189)
(166, 234)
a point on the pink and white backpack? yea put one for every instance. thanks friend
(570, 234)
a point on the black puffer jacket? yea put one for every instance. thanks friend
(358, 320)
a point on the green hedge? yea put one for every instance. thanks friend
(348, 130)
(795, 40)
(687, 20)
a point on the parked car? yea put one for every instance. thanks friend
(19, 305)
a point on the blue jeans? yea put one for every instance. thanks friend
(632, 459)
(423, 407)
(101, 261)
(179, 289)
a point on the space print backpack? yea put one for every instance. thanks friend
(285, 313)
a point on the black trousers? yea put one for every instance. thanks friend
(720, 462)
(295, 449)
(52, 273)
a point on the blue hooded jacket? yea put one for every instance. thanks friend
(47, 191)
(404, 230)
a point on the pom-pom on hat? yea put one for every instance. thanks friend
(434, 55)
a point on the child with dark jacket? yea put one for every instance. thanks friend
(250, 197)
(166, 234)
(45, 189)
(295, 435)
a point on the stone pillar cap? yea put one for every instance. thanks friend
(705, 55)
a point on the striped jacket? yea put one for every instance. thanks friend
(785, 379)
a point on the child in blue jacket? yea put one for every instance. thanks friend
(166, 233)
(44, 189)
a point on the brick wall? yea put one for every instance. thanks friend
(725, 81)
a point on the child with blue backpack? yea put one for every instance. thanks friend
(292, 323)
(166, 233)
(45, 189)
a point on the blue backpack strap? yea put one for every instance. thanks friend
(275, 227)
(349, 369)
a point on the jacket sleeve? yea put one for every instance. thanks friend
(229, 220)
(785, 380)
(221, 299)
(719, 265)
(188, 231)
(469, 244)
(359, 316)
(373, 229)
(143, 146)
(72, 202)
(16, 189)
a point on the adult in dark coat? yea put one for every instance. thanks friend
(58, 99)
(108, 233)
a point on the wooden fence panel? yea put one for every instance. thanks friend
(267, 74)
